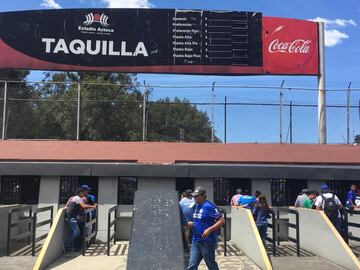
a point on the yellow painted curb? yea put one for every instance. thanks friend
(48, 239)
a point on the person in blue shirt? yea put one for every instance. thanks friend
(247, 201)
(207, 221)
(351, 197)
(187, 204)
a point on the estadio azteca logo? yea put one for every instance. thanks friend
(96, 18)
(96, 23)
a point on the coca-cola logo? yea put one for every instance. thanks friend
(296, 46)
(300, 46)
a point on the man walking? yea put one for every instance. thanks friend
(187, 205)
(207, 220)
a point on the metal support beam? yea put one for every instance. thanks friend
(4, 111)
(348, 114)
(321, 86)
(281, 97)
(78, 112)
(212, 111)
(144, 112)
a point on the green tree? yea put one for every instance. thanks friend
(177, 120)
(20, 102)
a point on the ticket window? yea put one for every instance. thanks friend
(19, 189)
(183, 184)
(69, 185)
(126, 190)
(225, 188)
(285, 191)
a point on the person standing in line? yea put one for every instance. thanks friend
(309, 200)
(331, 205)
(301, 198)
(187, 204)
(236, 197)
(351, 197)
(207, 221)
(247, 201)
(89, 199)
(261, 212)
(72, 213)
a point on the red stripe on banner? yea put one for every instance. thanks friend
(11, 58)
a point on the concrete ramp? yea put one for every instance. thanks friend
(156, 237)
(245, 235)
(318, 235)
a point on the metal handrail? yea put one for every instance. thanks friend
(291, 225)
(273, 227)
(86, 224)
(223, 211)
(23, 220)
(350, 224)
(110, 224)
(35, 225)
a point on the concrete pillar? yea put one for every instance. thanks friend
(208, 184)
(149, 183)
(48, 196)
(315, 185)
(262, 185)
(107, 198)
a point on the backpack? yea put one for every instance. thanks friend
(331, 209)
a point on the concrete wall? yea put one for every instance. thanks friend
(124, 222)
(53, 246)
(262, 185)
(48, 196)
(315, 185)
(353, 230)
(245, 235)
(156, 183)
(206, 183)
(319, 236)
(107, 198)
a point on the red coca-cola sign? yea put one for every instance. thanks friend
(290, 46)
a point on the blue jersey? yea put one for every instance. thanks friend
(247, 199)
(351, 195)
(205, 216)
(187, 209)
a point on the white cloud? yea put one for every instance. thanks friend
(51, 4)
(128, 3)
(332, 35)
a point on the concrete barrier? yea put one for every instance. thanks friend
(245, 235)
(53, 246)
(318, 235)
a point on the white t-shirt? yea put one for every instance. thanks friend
(320, 202)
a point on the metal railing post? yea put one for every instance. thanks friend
(108, 235)
(115, 227)
(4, 111)
(29, 227)
(273, 232)
(33, 234)
(78, 112)
(8, 234)
(225, 235)
(278, 227)
(297, 235)
(83, 236)
(346, 226)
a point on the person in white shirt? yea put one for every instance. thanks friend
(331, 205)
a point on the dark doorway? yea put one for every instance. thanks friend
(69, 184)
(341, 188)
(285, 191)
(183, 184)
(20, 189)
(225, 188)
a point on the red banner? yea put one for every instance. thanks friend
(290, 46)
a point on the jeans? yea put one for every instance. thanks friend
(262, 231)
(74, 232)
(337, 224)
(202, 250)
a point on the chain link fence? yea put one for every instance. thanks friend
(113, 112)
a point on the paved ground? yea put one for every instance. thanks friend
(286, 259)
(96, 259)
(19, 260)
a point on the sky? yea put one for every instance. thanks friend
(342, 38)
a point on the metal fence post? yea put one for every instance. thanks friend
(281, 98)
(348, 114)
(291, 123)
(297, 235)
(78, 112)
(33, 234)
(212, 111)
(4, 110)
(8, 234)
(144, 112)
(225, 118)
